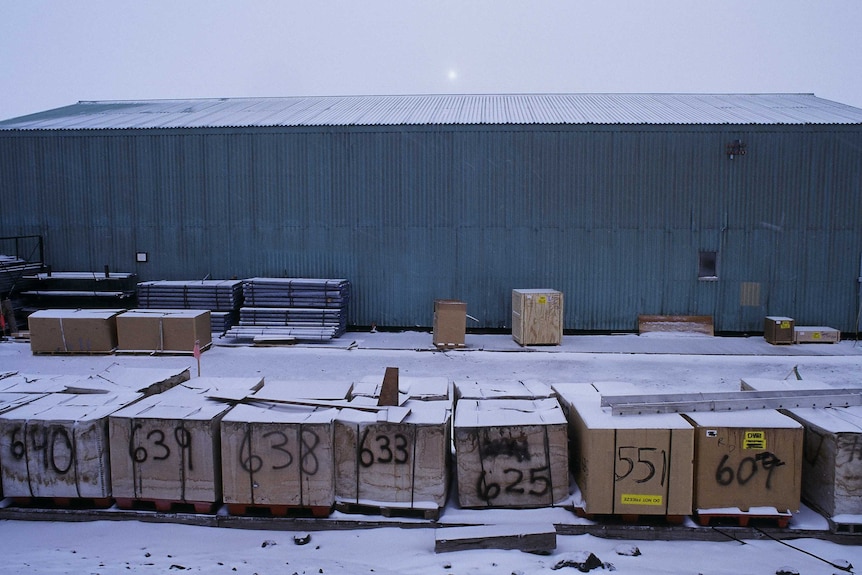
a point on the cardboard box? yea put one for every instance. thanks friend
(511, 453)
(278, 455)
(394, 458)
(73, 330)
(537, 316)
(778, 329)
(165, 330)
(56, 446)
(816, 334)
(639, 465)
(450, 323)
(746, 459)
(832, 450)
(167, 446)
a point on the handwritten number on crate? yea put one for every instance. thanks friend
(58, 449)
(643, 455)
(388, 451)
(280, 443)
(538, 482)
(747, 468)
(157, 441)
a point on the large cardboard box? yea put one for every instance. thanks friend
(628, 465)
(276, 455)
(166, 448)
(832, 450)
(511, 453)
(450, 323)
(56, 446)
(163, 330)
(397, 457)
(73, 330)
(778, 329)
(537, 316)
(816, 334)
(747, 459)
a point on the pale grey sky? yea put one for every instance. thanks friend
(56, 52)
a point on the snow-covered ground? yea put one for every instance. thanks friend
(666, 363)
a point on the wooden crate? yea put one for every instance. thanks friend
(57, 446)
(450, 323)
(511, 453)
(392, 460)
(278, 455)
(73, 330)
(676, 323)
(778, 330)
(163, 330)
(505, 389)
(747, 459)
(816, 334)
(537, 316)
(632, 465)
(167, 446)
(832, 450)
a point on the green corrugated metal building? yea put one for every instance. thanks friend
(736, 206)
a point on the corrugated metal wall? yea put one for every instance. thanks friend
(614, 216)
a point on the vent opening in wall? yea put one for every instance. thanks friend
(707, 267)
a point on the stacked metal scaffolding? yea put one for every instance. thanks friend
(293, 309)
(222, 297)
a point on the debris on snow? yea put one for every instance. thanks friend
(583, 561)
(627, 550)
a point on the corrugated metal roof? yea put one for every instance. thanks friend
(520, 109)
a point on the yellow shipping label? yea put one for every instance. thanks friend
(633, 499)
(543, 299)
(785, 325)
(754, 440)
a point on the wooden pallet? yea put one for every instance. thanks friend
(742, 518)
(388, 510)
(449, 346)
(160, 351)
(260, 510)
(62, 502)
(78, 352)
(631, 518)
(166, 506)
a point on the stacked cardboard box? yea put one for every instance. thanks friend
(163, 330)
(166, 448)
(631, 465)
(393, 457)
(73, 330)
(832, 451)
(511, 452)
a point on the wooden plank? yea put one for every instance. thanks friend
(531, 538)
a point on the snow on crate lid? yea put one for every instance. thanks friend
(514, 389)
(508, 412)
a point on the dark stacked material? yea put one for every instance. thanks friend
(293, 308)
(12, 269)
(78, 290)
(222, 297)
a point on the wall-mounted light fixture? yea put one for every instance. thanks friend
(735, 148)
(141, 257)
